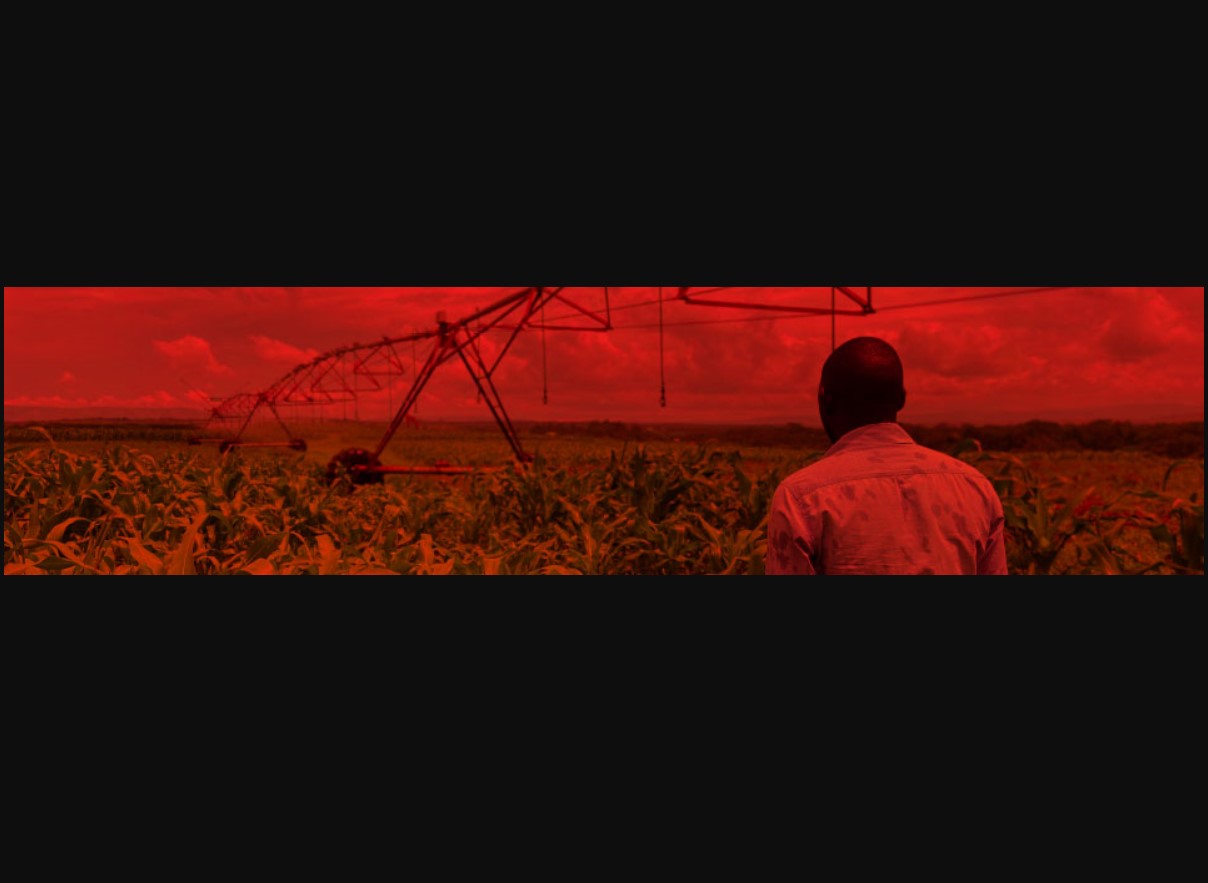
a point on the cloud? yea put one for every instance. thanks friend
(974, 351)
(45, 401)
(1082, 350)
(201, 397)
(192, 353)
(272, 350)
(1145, 324)
(160, 399)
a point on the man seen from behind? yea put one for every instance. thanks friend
(877, 503)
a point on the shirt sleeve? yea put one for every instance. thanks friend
(993, 561)
(787, 541)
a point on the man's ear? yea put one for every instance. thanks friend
(902, 400)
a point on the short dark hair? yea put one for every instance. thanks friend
(864, 376)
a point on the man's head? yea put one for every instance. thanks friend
(861, 384)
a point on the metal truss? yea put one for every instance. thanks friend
(335, 376)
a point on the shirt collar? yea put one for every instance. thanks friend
(874, 435)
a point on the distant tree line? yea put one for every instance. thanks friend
(1178, 440)
(1167, 439)
(99, 431)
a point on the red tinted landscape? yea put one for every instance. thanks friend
(1084, 405)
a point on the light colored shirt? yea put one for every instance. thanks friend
(877, 503)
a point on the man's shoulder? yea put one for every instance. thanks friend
(909, 459)
(815, 476)
(950, 463)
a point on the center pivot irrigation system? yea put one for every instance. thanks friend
(326, 378)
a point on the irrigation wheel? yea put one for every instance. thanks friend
(348, 464)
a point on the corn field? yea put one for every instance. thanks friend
(120, 510)
(124, 512)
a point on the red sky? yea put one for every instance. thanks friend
(1075, 354)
